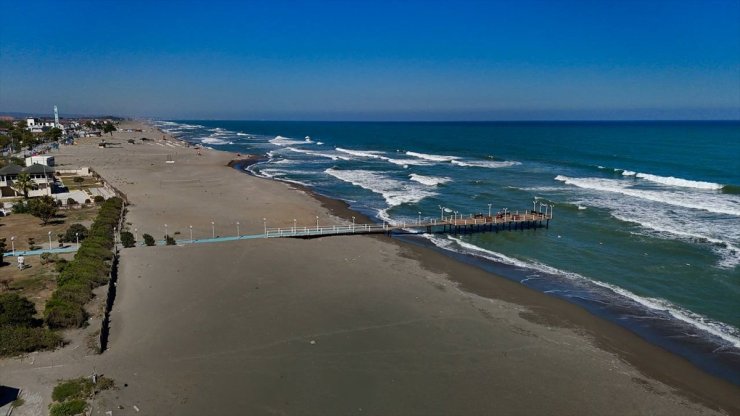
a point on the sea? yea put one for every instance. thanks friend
(646, 215)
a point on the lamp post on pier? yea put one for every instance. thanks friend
(489, 209)
(441, 212)
(237, 230)
(12, 244)
(534, 205)
(295, 223)
(317, 223)
(455, 212)
(49, 240)
(191, 234)
(264, 223)
(551, 206)
(213, 229)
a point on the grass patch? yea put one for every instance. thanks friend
(18, 402)
(70, 408)
(71, 395)
(19, 340)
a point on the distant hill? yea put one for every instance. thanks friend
(16, 114)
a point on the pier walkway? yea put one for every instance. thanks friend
(452, 225)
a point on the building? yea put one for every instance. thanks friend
(40, 160)
(42, 175)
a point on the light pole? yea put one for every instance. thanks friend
(534, 206)
(237, 229)
(165, 232)
(551, 206)
(455, 212)
(115, 235)
(77, 237)
(489, 209)
(213, 229)
(12, 244)
(353, 224)
(294, 225)
(317, 223)
(191, 234)
(441, 212)
(264, 223)
(49, 240)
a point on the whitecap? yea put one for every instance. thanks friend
(429, 180)
(393, 191)
(285, 141)
(485, 163)
(433, 158)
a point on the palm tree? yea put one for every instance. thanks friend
(23, 183)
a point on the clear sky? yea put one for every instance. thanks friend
(374, 60)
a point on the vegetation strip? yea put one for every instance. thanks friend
(90, 268)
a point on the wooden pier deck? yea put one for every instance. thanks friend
(451, 225)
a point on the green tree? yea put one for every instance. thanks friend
(16, 310)
(109, 128)
(127, 239)
(54, 134)
(44, 207)
(148, 240)
(23, 183)
(73, 229)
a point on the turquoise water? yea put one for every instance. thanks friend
(647, 214)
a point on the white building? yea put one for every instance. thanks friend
(42, 175)
(40, 160)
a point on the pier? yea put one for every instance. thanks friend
(457, 224)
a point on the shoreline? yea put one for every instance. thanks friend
(650, 359)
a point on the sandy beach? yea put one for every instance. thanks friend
(337, 325)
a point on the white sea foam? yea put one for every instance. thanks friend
(429, 180)
(285, 141)
(433, 158)
(242, 134)
(723, 331)
(711, 202)
(628, 173)
(213, 141)
(408, 162)
(684, 183)
(362, 153)
(393, 191)
(492, 164)
(319, 154)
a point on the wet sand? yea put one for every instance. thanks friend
(338, 325)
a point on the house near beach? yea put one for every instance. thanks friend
(41, 175)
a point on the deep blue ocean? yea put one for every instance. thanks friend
(646, 229)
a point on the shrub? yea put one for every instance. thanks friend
(78, 179)
(19, 340)
(20, 208)
(70, 408)
(148, 240)
(80, 229)
(60, 313)
(16, 310)
(99, 199)
(169, 240)
(87, 201)
(78, 388)
(127, 239)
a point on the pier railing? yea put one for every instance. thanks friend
(451, 224)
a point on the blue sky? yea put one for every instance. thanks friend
(376, 60)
